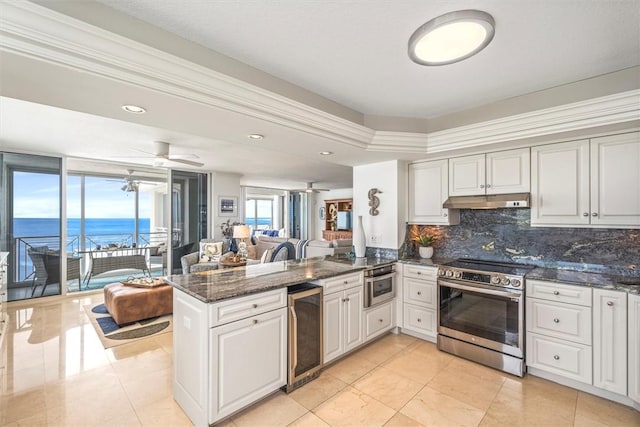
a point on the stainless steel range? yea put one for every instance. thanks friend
(481, 313)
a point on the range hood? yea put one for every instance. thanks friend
(494, 201)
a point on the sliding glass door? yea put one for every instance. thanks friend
(30, 225)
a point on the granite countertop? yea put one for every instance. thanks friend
(367, 262)
(216, 285)
(583, 278)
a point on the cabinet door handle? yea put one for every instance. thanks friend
(610, 303)
(488, 185)
(419, 293)
(556, 357)
(481, 185)
(556, 292)
(585, 213)
(444, 214)
(255, 305)
(556, 320)
(419, 320)
(418, 273)
(594, 214)
(348, 299)
(346, 282)
(255, 321)
(380, 320)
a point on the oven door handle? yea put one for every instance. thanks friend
(481, 289)
(384, 276)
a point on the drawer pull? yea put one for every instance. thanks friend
(585, 213)
(255, 321)
(556, 357)
(380, 320)
(419, 319)
(594, 214)
(418, 273)
(255, 305)
(556, 320)
(610, 303)
(556, 292)
(346, 282)
(419, 293)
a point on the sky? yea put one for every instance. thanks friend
(36, 195)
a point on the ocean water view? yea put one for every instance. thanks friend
(36, 227)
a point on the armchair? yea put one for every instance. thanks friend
(191, 261)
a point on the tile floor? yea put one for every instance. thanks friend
(57, 373)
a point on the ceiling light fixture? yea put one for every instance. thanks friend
(451, 37)
(134, 109)
(326, 153)
(255, 136)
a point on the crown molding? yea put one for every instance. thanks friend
(35, 31)
(606, 110)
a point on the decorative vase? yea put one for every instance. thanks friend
(426, 251)
(359, 241)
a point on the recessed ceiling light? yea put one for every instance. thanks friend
(326, 153)
(451, 37)
(134, 109)
(255, 136)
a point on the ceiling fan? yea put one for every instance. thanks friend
(162, 156)
(130, 185)
(310, 189)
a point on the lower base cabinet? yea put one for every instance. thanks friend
(634, 347)
(378, 320)
(342, 322)
(228, 355)
(419, 307)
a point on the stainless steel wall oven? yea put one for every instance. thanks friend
(481, 313)
(379, 285)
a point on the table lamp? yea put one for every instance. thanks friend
(241, 232)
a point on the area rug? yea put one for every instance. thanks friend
(111, 334)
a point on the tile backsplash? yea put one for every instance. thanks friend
(506, 235)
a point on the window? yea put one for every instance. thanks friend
(259, 213)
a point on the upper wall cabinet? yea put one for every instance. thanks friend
(587, 183)
(500, 172)
(428, 185)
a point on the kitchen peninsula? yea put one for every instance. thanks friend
(230, 333)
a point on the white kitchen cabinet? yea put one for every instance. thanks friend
(559, 329)
(499, 172)
(587, 183)
(419, 308)
(428, 190)
(378, 320)
(633, 342)
(227, 355)
(615, 180)
(610, 340)
(250, 361)
(343, 302)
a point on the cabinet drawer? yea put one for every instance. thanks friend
(243, 307)
(339, 283)
(419, 319)
(554, 319)
(559, 292)
(378, 320)
(420, 292)
(420, 272)
(560, 357)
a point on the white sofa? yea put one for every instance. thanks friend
(311, 248)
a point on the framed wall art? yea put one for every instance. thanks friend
(227, 206)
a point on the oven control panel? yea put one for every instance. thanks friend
(493, 279)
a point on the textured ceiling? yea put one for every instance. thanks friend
(354, 52)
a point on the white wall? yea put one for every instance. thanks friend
(223, 184)
(386, 230)
(316, 225)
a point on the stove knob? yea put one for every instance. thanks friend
(457, 274)
(449, 273)
(505, 281)
(516, 283)
(495, 280)
(441, 272)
